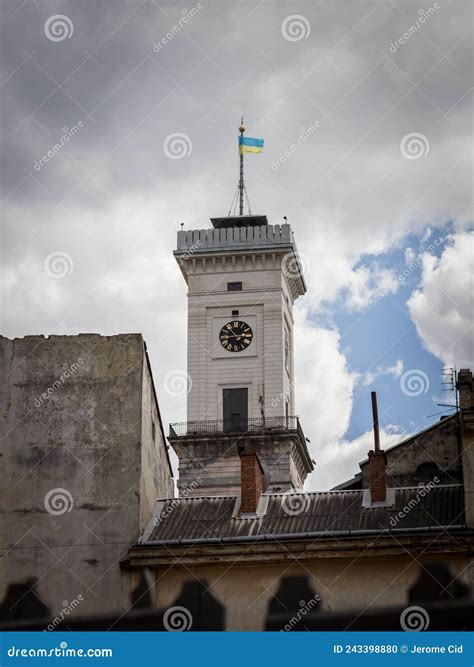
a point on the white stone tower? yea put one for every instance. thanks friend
(243, 278)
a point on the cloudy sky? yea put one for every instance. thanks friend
(365, 108)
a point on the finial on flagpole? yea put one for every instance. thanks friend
(242, 128)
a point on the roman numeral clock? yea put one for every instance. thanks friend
(236, 336)
(243, 277)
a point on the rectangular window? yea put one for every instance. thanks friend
(234, 287)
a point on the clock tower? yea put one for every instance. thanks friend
(243, 277)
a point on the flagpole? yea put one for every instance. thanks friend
(241, 179)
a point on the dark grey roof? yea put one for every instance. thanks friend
(240, 221)
(300, 515)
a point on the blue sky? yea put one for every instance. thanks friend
(385, 334)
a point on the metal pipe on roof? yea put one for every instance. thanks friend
(375, 415)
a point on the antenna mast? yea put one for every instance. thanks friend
(241, 190)
(241, 178)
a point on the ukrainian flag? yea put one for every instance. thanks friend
(250, 145)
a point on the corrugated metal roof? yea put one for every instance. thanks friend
(332, 512)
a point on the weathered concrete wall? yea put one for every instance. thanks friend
(246, 590)
(79, 468)
(437, 446)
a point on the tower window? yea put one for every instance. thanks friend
(234, 287)
(235, 313)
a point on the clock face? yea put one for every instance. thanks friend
(236, 336)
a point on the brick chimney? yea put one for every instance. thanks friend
(378, 477)
(377, 461)
(251, 480)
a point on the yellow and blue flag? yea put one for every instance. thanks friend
(250, 145)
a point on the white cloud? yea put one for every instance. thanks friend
(396, 370)
(369, 284)
(443, 305)
(339, 460)
(324, 385)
